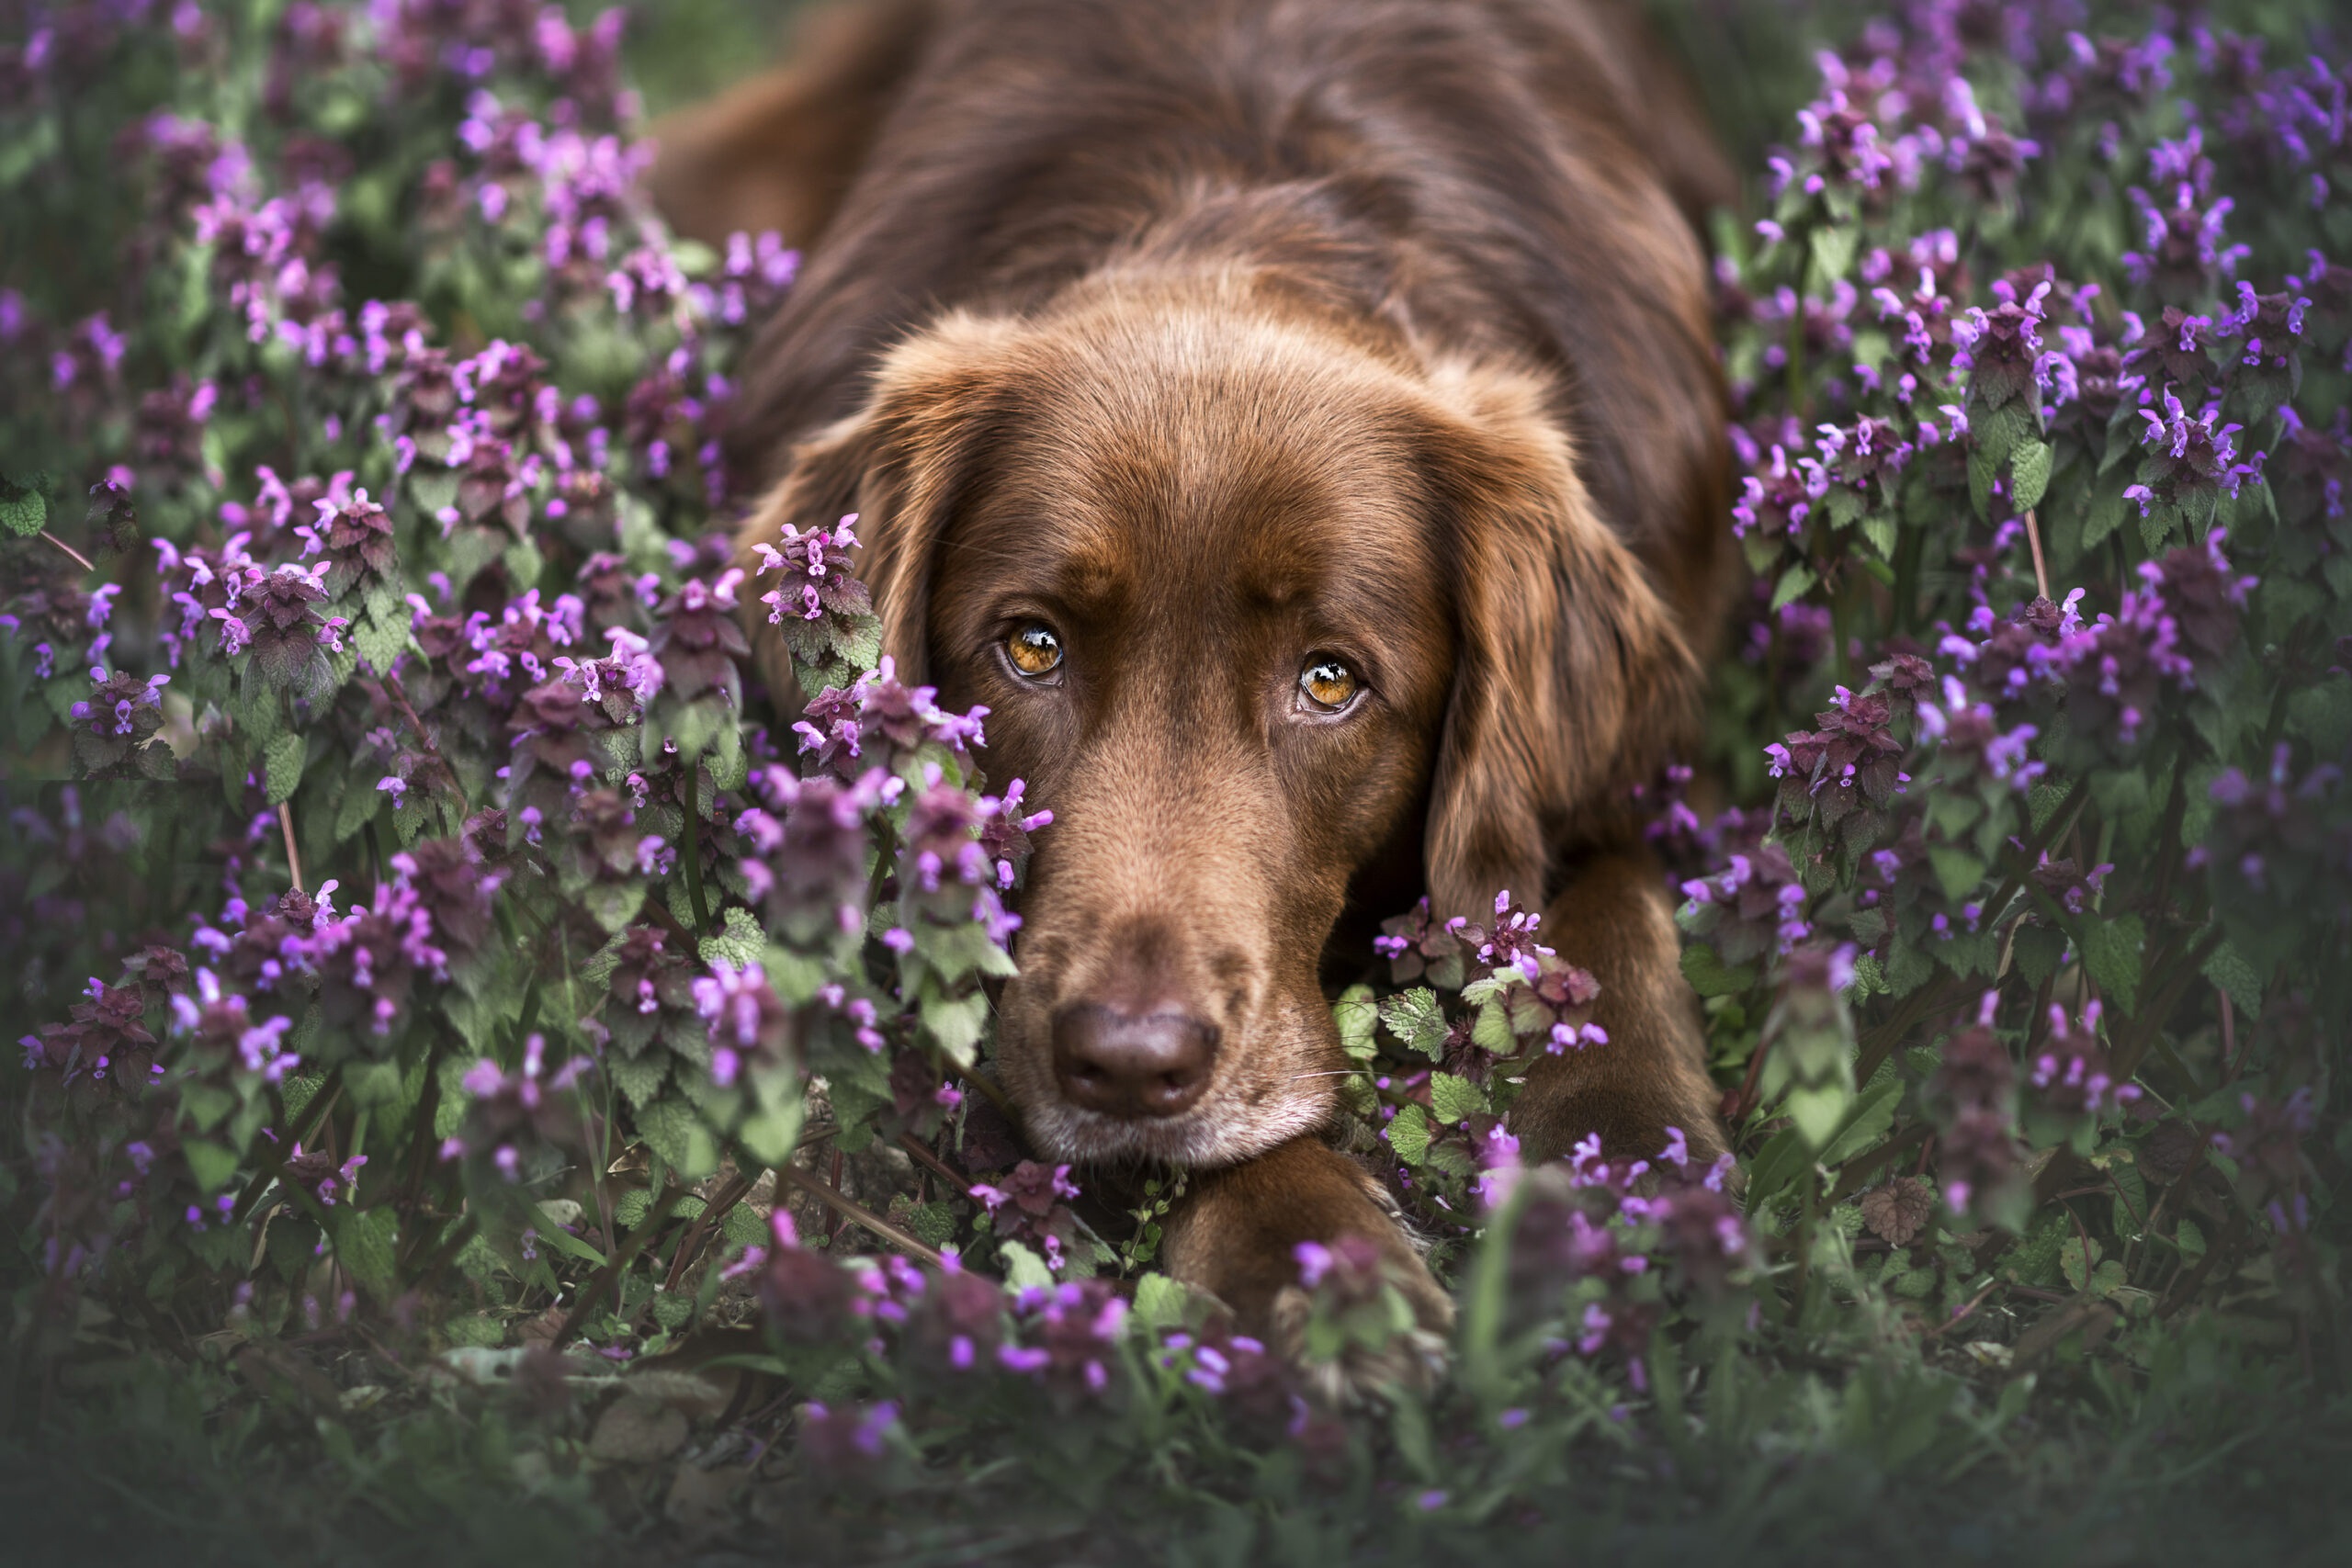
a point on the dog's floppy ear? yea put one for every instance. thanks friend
(1573, 677)
(901, 464)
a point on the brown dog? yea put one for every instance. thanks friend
(1297, 420)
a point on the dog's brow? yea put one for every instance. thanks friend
(1048, 550)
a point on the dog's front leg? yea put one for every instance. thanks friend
(1616, 919)
(1237, 1232)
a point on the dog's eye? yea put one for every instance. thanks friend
(1034, 649)
(1329, 684)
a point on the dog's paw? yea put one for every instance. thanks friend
(1350, 1368)
(1310, 1254)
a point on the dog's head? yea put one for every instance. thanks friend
(1257, 600)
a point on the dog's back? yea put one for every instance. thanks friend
(1507, 179)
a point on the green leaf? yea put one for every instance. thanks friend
(1843, 506)
(955, 1023)
(671, 1129)
(366, 1244)
(2003, 430)
(2235, 976)
(1415, 1018)
(2158, 524)
(743, 1226)
(2111, 953)
(373, 1084)
(380, 640)
(1452, 1098)
(431, 487)
(1490, 1030)
(1870, 975)
(2106, 515)
(1818, 1111)
(1972, 953)
(2044, 800)
(1356, 1014)
(1023, 1268)
(2036, 952)
(1872, 1114)
(1953, 812)
(297, 1091)
(571, 1246)
(1833, 251)
(1959, 871)
(1880, 529)
(2077, 1256)
(1793, 586)
(2029, 473)
(615, 904)
(739, 940)
(206, 1105)
(1982, 469)
(358, 807)
(2322, 714)
(282, 765)
(1162, 1301)
(773, 1129)
(211, 1164)
(638, 1078)
(1409, 1135)
(22, 511)
(1784, 1157)
(1708, 974)
(476, 1329)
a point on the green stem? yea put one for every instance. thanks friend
(2186, 971)
(1841, 633)
(1799, 395)
(1857, 1172)
(529, 1017)
(1996, 909)
(274, 1162)
(886, 860)
(1908, 545)
(78, 557)
(1805, 1239)
(698, 1230)
(420, 1131)
(693, 849)
(592, 1296)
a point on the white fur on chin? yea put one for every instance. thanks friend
(1203, 1139)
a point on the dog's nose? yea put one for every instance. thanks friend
(1124, 1064)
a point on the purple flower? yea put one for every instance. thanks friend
(846, 1440)
(2071, 1071)
(1028, 1206)
(746, 1017)
(1071, 1331)
(1754, 905)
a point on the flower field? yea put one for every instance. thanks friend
(496, 1082)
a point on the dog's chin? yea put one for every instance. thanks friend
(1210, 1135)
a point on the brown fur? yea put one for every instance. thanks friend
(1216, 333)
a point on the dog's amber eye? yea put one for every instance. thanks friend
(1034, 649)
(1328, 683)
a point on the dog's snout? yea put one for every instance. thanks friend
(1123, 1063)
